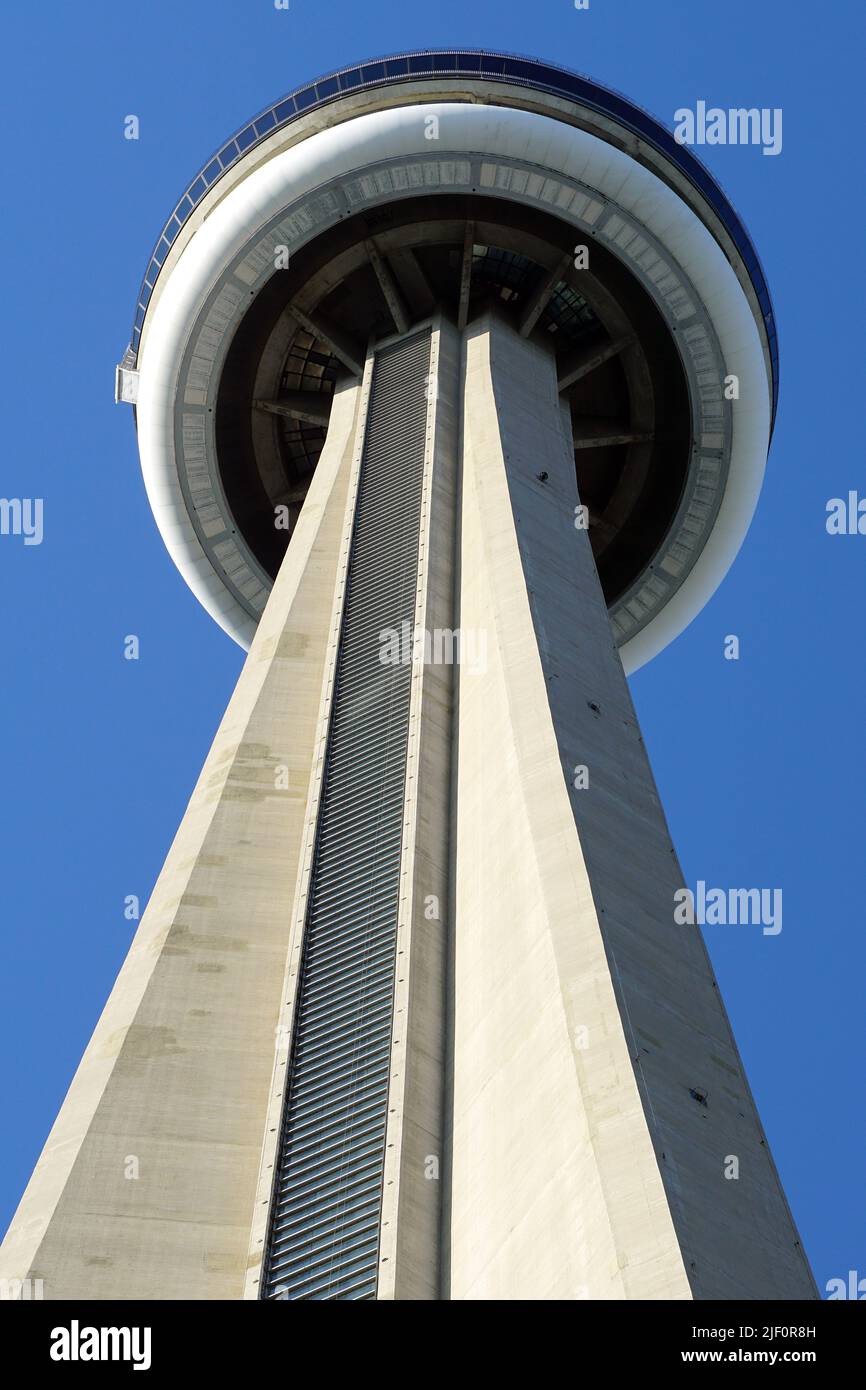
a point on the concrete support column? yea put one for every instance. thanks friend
(414, 1160)
(585, 1020)
(177, 1072)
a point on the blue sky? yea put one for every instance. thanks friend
(760, 761)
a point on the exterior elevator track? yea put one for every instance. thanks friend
(323, 1238)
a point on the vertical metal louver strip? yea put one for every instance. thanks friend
(323, 1239)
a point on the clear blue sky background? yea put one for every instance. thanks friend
(760, 762)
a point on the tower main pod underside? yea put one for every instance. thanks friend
(408, 1015)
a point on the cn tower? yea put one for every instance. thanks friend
(453, 377)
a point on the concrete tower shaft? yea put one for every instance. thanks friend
(409, 1015)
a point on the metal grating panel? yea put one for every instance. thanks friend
(325, 1213)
